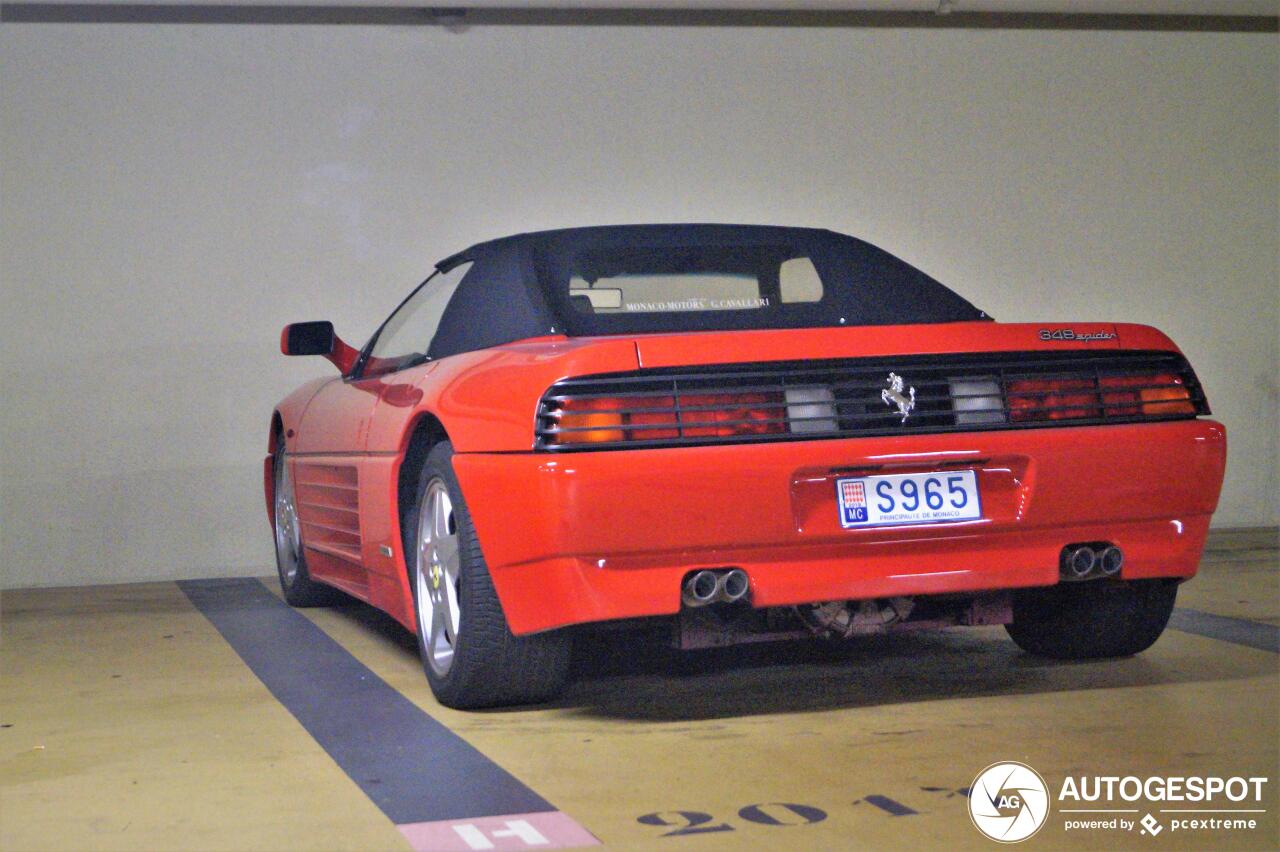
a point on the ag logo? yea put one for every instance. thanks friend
(1008, 802)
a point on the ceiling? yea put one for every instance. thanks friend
(1267, 8)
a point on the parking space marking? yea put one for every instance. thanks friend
(416, 770)
(550, 830)
(1238, 631)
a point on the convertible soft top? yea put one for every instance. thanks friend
(520, 286)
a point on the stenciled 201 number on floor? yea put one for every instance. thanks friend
(683, 823)
(768, 813)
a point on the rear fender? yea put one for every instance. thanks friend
(487, 401)
(479, 401)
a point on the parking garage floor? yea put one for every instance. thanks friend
(209, 715)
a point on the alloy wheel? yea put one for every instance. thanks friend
(439, 615)
(288, 535)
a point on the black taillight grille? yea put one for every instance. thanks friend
(866, 397)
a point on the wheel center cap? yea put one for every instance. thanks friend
(435, 574)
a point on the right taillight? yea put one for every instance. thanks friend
(1146, 395)
(1152, 395)
(1052, 399)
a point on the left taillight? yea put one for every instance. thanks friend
(639, 419)
(587, 421)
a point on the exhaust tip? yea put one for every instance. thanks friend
(1110, 560)
(701, 588)
(734, 585)
(1080, 561)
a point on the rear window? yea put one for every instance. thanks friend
(649, 280)
(637, 279)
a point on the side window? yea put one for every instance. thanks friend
(799, 281)
(407, 334)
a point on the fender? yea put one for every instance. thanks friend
(459, 392)
(288, 414)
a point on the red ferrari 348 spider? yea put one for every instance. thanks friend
(751, 432)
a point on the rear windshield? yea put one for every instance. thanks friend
(709, 277)
(648, 279)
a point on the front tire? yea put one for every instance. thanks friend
(468, 652)
(291, 565)
(1083, 621)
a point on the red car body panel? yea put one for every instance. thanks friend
(596, 536)
(589, 536)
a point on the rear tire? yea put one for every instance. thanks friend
(291, 564)
(1082, 621)
(468, 652)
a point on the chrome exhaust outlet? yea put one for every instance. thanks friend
(1078, 562)
(1109, 560)
(702, 588)
(734, 585)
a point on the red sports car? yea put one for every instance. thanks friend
(751, 432)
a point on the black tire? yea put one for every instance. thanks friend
(298, 587)
(488, 666)
(1082, 621)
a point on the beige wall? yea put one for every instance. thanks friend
(171, 196)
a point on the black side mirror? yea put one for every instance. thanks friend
(308, 338)
(317, 338)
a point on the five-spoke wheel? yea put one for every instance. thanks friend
(469, 654)
(298, 587)
(438, 575)
(288, 536)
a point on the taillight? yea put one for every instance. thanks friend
(1121, 403)
(730, 415)
(589, 421)
(1052, 399)
(1149, 395)
(658, 418)
(1163, 393)
(653, 413)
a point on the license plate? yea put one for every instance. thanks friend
(908, 498)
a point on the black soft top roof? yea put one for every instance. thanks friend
(605, 236)
(518, 287)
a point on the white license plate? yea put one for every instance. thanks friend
(908, 498)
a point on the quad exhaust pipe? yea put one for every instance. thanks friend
(700, 588)
(1110, 560)
(1085, 561)
(734, 586)
(1080, 561)
(705, 587)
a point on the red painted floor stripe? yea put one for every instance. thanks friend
(546, 830)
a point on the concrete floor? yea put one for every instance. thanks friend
(129, 722)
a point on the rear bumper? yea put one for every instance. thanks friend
(596, 536)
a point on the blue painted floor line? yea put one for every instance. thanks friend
(411, 766)
(1238, 631)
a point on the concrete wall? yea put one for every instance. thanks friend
(172, 195)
